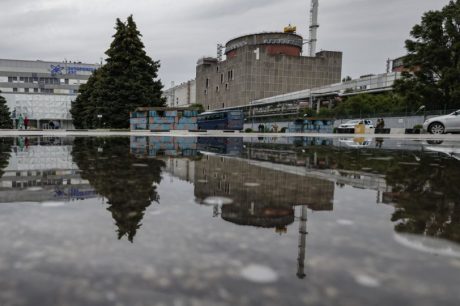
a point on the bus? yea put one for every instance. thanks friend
(224, 120)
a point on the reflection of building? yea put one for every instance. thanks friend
(42, 173)
(182, 168)
(261, 196)
(43, 91)
(262, 65)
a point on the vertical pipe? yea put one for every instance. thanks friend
(313, 27)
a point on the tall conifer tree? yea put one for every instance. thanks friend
(128, 80)
(5, 116)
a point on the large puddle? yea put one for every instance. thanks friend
(229, 221)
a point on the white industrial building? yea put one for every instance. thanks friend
(43, 91)
(182, 95)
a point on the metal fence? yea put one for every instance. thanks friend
(430, 113)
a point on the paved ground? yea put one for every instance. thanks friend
(63, 133)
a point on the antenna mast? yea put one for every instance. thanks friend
(313, 27)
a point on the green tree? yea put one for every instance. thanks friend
(198, 107)
(369, 105)
(434, 60)
(128, 80)
(84, 110)
(5, 116)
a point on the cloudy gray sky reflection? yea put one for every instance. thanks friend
(178, 32)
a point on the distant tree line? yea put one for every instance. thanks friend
(128, 80)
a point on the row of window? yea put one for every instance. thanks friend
(230, 77)
(37, 80)
(217, 89)
(35, 90)
(41, 90)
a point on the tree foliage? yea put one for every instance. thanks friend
(128, 80)
(369, 105)
(5, 116)
(434, 60)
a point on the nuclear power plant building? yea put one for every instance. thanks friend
(263, 65)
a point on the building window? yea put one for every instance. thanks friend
(15, 90)
(66, 81)
(47, 90)
(217, 69)
(26, 89)
(21, 79)
(205, 92)
(226, 86)
(207, 83)
(230, 75)
(217, 88)
(223, 105)
(208, 107)
(35, 90)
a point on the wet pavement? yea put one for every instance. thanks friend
(158, 220)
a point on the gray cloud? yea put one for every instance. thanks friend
(223, 8)
(179, 32)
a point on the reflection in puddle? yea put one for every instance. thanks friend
(427, 245)
(259, 274)
(259, 195)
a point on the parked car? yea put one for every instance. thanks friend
(353, 123)
(443, 124)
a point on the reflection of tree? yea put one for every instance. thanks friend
(424, 187)
(428, 198)
(124, 180)
(5, 153)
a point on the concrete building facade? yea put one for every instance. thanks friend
(182, 95)
(262, 65)
(43, 91)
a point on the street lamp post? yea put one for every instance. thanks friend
(99, 116)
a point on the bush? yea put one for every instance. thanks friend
(283, 130)
(418, 127)
(248, 130)
(325, 113)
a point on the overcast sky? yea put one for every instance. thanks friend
(178, 32)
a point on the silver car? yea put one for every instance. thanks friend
(443, 124)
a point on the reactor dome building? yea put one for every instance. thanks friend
(263, 65)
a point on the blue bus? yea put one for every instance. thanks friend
(224, 120)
